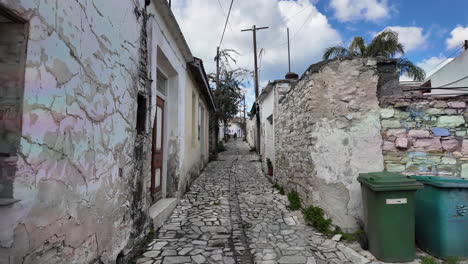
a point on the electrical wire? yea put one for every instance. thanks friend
(227, 20)
(451, 56)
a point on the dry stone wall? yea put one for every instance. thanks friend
(425, 136)
(328, 131)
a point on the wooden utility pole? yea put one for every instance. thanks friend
(216, 128)
(245, 122)
(289, 55)
(254, 32)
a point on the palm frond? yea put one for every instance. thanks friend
(335, 51)
(385, 44)
(357, 47)
(410, 69)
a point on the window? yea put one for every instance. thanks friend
(194, 117)
(13, 42)
(201, 118)
(141, 114)
(161, 83)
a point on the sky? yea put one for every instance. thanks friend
(432, 31)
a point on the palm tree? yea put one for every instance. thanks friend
(386, 45)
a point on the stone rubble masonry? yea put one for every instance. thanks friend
(75, 179)
(328, 131)
(430, 135)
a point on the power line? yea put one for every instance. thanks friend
(452, 55)
(227, 20)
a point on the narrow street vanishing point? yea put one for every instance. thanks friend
(232, 215)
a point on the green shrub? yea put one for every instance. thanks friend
(428, 260)
(221, 147)
(269, 164)
(452, 260)
(314, 216)
(279, 188)
(294, 201)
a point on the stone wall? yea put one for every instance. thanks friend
(426, 136)
(328, 131)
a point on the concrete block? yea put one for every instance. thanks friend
(457, 104)
(402, 143)
(440, 132)
(387, 112)
(449, 161)
(429, 144)
(391, 123)
(396, 132)
(450, 144)
(464, 149)
(161, 210)
(395, 167)
(419, 133)
(464, 170)
(450, 121)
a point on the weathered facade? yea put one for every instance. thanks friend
(199, 104)
(328, 131)
(92, 128)
(268, 105)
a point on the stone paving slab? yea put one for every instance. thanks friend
(232, 215)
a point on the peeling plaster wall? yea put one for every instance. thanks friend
(327, 132)
(76, 164)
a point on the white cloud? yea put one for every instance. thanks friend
(352, 10)
(458, 36)
(411, 37)
(202, 23)
(430, 66)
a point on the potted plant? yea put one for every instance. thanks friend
(270, 167)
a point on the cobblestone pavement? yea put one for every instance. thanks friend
(232, 215)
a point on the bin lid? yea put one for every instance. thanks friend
(388, 181)
(443, 182)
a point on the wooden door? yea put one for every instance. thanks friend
(157, 151)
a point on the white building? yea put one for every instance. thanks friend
(268, 104)
(452, 75)
(233, 126)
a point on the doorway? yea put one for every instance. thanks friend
(157, 151)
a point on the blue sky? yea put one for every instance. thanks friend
(431, 30)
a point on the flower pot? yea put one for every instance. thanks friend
(270, 171)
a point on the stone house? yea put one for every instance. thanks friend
(93, 127)
(268, 105)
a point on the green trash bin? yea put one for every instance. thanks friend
(388, 201)
(442, 216)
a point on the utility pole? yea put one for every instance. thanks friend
(216, 116)
(245, 123)
(289, 55)
(254, 32)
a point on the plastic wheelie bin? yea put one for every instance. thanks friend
(442, 216)
(388, 201)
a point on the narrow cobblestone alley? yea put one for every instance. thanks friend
(232, 215)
